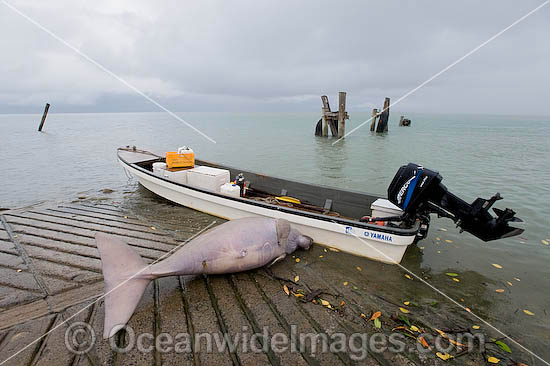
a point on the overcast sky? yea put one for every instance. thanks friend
(274, 55)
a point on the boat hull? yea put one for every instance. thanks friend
(381, 246)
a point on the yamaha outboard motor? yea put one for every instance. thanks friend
(418, 192)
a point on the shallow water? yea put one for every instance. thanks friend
(476, 155)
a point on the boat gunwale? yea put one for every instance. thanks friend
(391, 230)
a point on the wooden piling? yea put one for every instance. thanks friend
(384, 116)
(44, 117)
(373, 122)
(341, 114)
(401, 120)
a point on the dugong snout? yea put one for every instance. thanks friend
(304, 241)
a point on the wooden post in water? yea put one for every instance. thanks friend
(325, 110)
(384, 116)
(373, 122)
(44, 117)
(401, 120)
(341, 114)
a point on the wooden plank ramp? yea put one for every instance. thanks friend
(50, 280)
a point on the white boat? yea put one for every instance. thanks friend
(332, 217)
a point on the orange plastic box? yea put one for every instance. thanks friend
(184, 160)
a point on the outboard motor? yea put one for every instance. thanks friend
(418, 192)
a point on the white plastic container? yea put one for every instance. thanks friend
(207, 178)
(158, 169)
(384, 208)
(230, 189)
(179, 176)
(184, 150)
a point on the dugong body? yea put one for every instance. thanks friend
(234, 246)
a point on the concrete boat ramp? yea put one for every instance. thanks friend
(50, 271)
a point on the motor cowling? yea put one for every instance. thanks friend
(419, 192)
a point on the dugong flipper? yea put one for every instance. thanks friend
(234, 246)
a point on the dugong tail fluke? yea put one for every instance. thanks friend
(123, 272)
(234, 246)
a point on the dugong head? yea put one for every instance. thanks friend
(291, 238)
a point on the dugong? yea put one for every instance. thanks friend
(234, 246)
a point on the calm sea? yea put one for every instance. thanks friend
(476, 155)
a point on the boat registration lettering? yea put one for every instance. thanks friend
(378, 236)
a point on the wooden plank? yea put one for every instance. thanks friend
(373, 121)
(44, 115)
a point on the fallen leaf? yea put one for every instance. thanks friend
(442, 229)
(475, 326)
(297, 260)
(404, 311)
(125, 217)
(299, 295)
(456, 280)
(320, 256)
(404, 319)
(438, 238)
(325, 249)
(345, 283)
(448, 241)
(358, 268)
(545, 242)
(509, 283)
(468, 310)
(421, 248)
(441, 333)
(497, 266)
(342, 303)
(19, 270)
(406, 302)
(499, 290)
(517, 279)
(363, 315)
(458, 344)
(154, 228)
(408, 276)
(333, 249)
(444, 356)
(493, 360)
(414, 328)
(377, 323)
(376, 315)
(439, 252)
(325, 302)
(285, 289)
(423, 342)
(451, 274)
(503, 346)
(296, 278)
(528, 312)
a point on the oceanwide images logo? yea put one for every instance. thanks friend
(80, 338)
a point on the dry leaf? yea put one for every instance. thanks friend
(363, 315)
(325, 302)
(438, 238)
(299, 295)
(325, 249)
(297, 260)
(468, 310)
(448, 241)
(451, 274)
(377, 323)
(439, 252)
(528, 312)
(333, 249)
(441, 333)
(320, 256)
(509, 283)
(442, 229)
(154, 228)
(458, 344)
(342, 303)
(285, 289)
(444, 356)
(423, 342)
(497, 266)
(404, 311)
(19, 270)
(345, 283)
(375, 315)
(456, 280)
(414, 328)
(499, 290)
(125, 217)
(296, 278)
(493, 360)
(358, 268)
(517, 279)
(406, 302)
(475, 326)
(545, 242)
(408, 276)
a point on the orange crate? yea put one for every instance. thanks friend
(175, 160)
